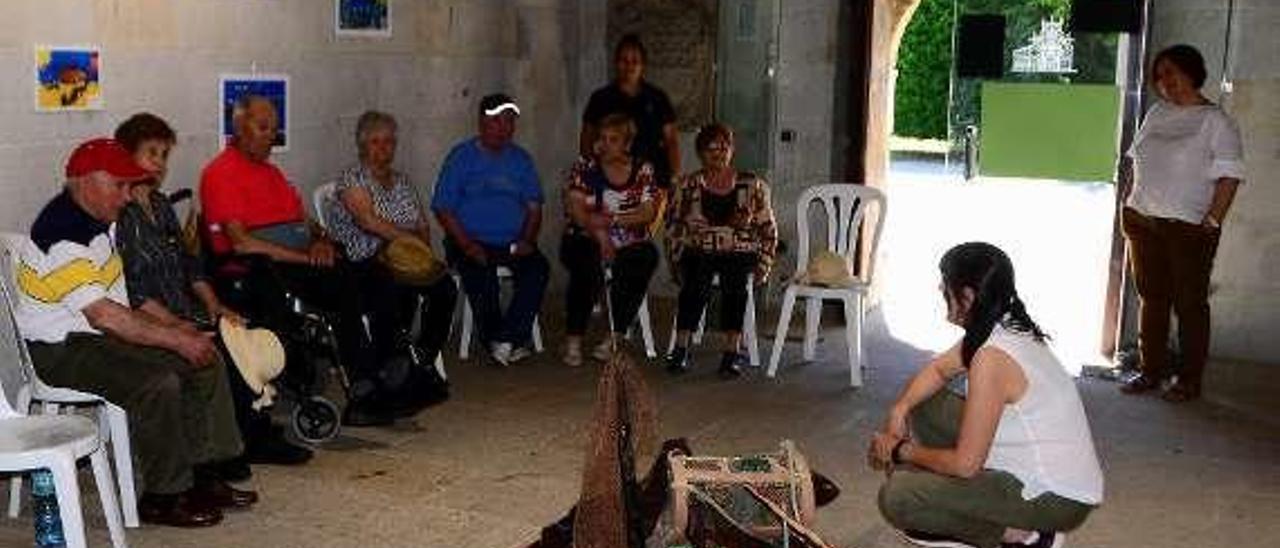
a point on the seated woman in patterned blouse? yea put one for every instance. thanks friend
(166, 281)
(377, 205)
(610, 201)
(720, 224)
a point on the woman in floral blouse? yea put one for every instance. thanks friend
(611, 200)
(720, 224)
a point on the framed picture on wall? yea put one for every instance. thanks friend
(68, 78)
(362, 18)
(275, 87)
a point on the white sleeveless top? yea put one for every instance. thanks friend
(1044, 438)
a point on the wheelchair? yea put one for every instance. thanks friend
(307, 334)
(313, 354)
(312, 358)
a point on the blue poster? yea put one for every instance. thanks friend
(363, 17)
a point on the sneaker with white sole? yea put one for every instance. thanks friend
(519, 353)
(921, 538)
(501, 352)
(1042, 539)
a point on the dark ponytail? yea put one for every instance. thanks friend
(986, 270)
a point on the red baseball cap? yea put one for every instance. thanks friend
(103, 154)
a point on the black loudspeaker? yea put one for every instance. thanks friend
(980, 46)
(1106, 16)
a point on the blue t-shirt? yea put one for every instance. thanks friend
(487, 191)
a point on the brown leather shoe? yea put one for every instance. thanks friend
(176, 511)
(1181, 391)
(220, 496)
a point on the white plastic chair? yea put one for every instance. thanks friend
(642, 319)
(749, 336)
(320, 199)
(113, 422)
(845, 206)
(53, 442)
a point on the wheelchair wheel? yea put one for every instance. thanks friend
(315, 420)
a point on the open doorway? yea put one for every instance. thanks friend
(1007, 130)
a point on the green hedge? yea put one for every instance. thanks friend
(924, 60)
(924, 72)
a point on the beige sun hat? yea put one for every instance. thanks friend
(258, 355)
(411, 261)
(829, 269)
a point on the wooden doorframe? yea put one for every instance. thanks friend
(1134, 102)
(853, 88)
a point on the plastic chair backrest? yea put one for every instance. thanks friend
(16, 371)
(845, 206)
(321, 198)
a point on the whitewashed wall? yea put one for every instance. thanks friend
(165, 56)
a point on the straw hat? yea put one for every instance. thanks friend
(411, 261)
(258, 355)
(829, 269)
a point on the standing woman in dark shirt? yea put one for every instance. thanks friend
(720, 223)
(167, 282)
(656, 140)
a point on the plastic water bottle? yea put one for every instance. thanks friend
(44, 507)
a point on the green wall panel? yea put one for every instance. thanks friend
(1049, 131)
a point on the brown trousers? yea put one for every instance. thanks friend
(1171, 263)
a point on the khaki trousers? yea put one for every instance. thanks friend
(179, 416)
(975, 510)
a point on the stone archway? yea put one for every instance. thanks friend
(889, 22)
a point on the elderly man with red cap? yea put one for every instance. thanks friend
(73, 309)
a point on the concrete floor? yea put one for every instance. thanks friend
(501, 459)
(1057, 233)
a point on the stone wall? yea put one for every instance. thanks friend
(165, 57)
(680, 38)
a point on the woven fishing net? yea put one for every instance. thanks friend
(624, 423)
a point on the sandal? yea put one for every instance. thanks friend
(1181, 392)
(1141, 383)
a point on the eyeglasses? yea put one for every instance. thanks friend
(718, 146)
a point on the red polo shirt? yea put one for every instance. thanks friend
(255, 194)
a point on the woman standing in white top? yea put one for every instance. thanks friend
(1187, 163)
(1009, 463)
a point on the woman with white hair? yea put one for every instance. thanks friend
(377, 206)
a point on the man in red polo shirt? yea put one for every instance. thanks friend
(250, 208)
(249, 205)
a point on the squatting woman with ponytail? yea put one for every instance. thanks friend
(1008, 462)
